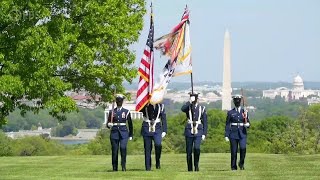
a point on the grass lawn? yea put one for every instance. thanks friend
(173, 166)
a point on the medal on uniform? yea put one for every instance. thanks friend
(123, 114)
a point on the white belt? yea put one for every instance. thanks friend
(237, 124)
(119, 124)
(151, 121)
(191, 122)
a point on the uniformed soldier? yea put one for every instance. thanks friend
(237, 123)
(119, 134)
(195, 130)
(154, 128)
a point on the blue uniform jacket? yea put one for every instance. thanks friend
(202, 128)
(121, 116)
(153, 112)
(232, 131)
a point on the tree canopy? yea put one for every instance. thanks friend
(50, 47)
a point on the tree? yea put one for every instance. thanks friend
(312, 118)
(50, 47)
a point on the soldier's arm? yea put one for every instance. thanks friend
(163, 119)
(205, 121)
(130, 124)
(227, 128)
(248, 120)
(185, 107)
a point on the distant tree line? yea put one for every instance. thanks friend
(274, 134)
(84, 119)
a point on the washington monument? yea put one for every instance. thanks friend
(226, 84)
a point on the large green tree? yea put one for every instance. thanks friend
(50, 47)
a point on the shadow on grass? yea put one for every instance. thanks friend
(110, 170)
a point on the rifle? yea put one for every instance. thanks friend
(112, 107)
(244, 114)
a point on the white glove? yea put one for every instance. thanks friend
(203, 137)
(130, 138)
(110, 125)
(163, 134)
(247, 124)
(226, 138)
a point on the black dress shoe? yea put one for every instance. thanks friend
(241, 167)
(124, 169)
(158, 166)
(115, 168)
(196, 168)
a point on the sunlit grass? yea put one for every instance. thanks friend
(173, 166)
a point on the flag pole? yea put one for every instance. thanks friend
(191, 83)
(191, 76)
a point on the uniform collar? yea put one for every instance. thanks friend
(237, 109)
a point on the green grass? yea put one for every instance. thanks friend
(212, 166)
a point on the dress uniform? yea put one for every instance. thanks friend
(195, 130)
(237, 123)
(119, 134)
(154, 128)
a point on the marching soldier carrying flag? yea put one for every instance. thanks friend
(195, 130)
(237, 123)
(154, 128)
(119, 134)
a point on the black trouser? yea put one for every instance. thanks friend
(147, 140)
(123, 151)
(234, 150)
(193, 143)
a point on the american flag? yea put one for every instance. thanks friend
(145, 71)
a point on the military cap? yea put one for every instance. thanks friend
(120, 96)
(196, 94)
(237, 96)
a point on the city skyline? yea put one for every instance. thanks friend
(272, 41)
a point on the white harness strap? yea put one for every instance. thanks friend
(194, 128)
(152, 123)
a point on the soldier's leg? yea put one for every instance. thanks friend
(114, 149)
(234, 150)
(189, 144)
(196, 152)
(147, 141)
(243, 144)
(123, 151)
(158, 148)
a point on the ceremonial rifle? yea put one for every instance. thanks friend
(113, 104)
(244, 114)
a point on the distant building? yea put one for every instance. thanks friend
(314, 100)
(297, 92)
(84, 100)
(23, 133)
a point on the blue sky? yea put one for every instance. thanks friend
(271, 40)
